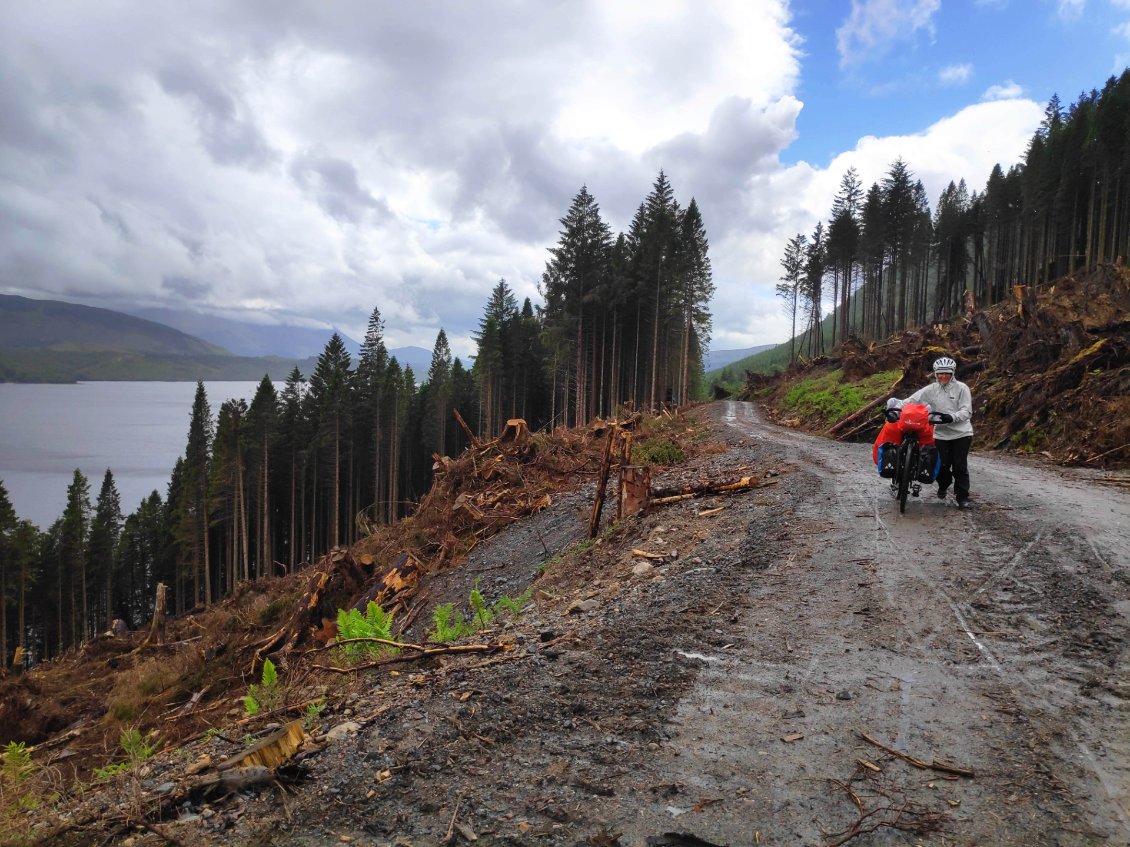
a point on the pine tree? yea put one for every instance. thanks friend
(262, 421)
(74, 541)
(26, 556)
(788, 288)
(8, 524)
(330, 397)
(577, 267)
(104, 531)
(293, 442)
(439, 392)
(194, 525)
(696, 291)
(372, 378)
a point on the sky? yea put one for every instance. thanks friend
(304, 161)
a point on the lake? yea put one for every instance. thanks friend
(136, 429)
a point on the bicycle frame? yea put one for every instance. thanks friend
(908, 458)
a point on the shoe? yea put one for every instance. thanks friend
(942, 489)
(965, 504)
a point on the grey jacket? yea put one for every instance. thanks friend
(954, 399)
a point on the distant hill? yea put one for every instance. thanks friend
(53, 341)
(720, 358)
(416, 358)
(244, 338)
(52, 325)
(287, 341)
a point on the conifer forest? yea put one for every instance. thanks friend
(884, 262)
(266, 486)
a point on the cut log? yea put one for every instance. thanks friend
(274, 750)
(700, 489)
(859, 413)
(635, 495)
(160, 609)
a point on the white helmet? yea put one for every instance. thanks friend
(945, 365)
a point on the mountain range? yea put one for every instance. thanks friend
(53, 341)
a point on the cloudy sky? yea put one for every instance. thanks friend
(302, 162)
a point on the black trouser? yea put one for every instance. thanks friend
(954, 454)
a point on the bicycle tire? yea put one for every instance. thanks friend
(907, 468)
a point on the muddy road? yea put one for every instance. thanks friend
(994, 638)
(723, 693)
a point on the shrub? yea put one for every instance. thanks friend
(657, 451)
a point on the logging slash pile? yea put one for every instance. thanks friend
(181, 682)
(1049, 369)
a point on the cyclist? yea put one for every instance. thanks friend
(951, 405)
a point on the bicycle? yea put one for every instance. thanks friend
(916, 458)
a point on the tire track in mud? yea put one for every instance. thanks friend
(1001, 552)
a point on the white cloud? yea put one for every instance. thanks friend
(791, 200)
(1070, 9)
(1123, 30)
(875, 25)
(318, 160)
(328, 158)
(1005, 91)
(955, 74)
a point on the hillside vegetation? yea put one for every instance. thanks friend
(1049, 369)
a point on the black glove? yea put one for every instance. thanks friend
(893, 415)
(940, 418)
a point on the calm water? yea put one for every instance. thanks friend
(136, 429)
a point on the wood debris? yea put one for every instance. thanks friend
(273, 751)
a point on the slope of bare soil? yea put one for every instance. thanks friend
(721, 694)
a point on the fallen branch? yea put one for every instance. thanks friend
(425, 654)
(936, 765)
(661, 496)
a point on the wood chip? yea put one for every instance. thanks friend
(792, 736)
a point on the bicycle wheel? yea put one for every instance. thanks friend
(907, 467)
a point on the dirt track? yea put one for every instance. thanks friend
(808, 610)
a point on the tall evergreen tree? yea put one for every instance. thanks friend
(194, 525)
(74, 541)
(104, 531)
(577, 266)
(26, 557)
(8, 524)
(439, 392)
(262, 421)
(372, 388)
(330, 396)
(788, 287)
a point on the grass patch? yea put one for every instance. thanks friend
(825, 399)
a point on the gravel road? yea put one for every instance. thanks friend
(995, 639)
(722, 695)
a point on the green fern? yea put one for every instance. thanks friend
(450, 624)
(266, 694)
(479, 606)
(375, 623)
